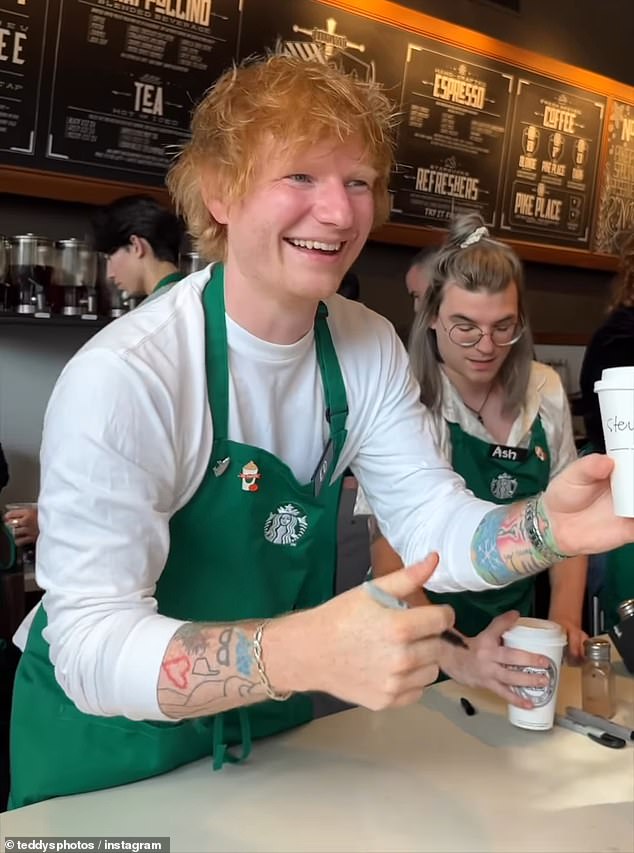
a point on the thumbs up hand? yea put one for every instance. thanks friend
(371, 655)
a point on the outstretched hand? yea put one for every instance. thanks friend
(578, 502)
(486, 663)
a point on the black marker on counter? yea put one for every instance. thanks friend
(386, 600)
(468, 707)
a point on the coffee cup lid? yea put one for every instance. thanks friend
(536, 630)
(615, 378)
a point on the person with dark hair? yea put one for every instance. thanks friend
(501, 418)
(141, 240)
(612, 344)
(192, 456)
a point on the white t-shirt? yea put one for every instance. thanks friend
(127, 440)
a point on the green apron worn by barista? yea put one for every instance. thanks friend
(252, 543)
(168, 281)
(500, 474)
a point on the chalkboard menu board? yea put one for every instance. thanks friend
(455, 109)
(552, 163)
(616, 198)
(104, 89)
(318, 31)
(22, 28)
(125, 76)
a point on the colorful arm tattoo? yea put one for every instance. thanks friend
(502, 550)
(208, 668)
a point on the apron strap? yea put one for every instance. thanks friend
(221, 750)
(216, 343)
(334, 387)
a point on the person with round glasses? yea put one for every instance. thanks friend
(501, 418)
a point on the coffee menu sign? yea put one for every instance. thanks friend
(455, 113)
(149, 61)
(616, 195)
(552, 163)
(22, 28)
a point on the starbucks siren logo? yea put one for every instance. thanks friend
(539, 696)
(503, 487)
(286, 526)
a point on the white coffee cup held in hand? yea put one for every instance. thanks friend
(616, 401)
(549, 640)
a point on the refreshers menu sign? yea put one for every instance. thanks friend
(450, 147)
(552, 163)
(150, 61)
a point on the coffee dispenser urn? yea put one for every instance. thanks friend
(44, 276)
(4, 269)
(190, 262)
(75, 273)
(109, 295)
(23, 286)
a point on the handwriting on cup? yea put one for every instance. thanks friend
(617, 424)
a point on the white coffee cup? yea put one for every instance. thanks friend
(616, 400)
(548, 639)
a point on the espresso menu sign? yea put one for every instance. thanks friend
(22, 28)
(455, 113)
(127, 74)
(616, 199)
(552, 163)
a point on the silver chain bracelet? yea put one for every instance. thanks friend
(257, 654)
(535, 535)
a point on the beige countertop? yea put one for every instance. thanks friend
(422, 778)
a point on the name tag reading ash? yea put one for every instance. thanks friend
(510, 454)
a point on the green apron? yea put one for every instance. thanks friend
(501, 474)
(236, 552)
(170, 279)
(618, 583)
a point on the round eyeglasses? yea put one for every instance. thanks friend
(469, 335)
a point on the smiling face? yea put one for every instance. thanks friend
(479, 364)
(300, 226)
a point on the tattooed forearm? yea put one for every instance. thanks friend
(501, 549)
(208, 668)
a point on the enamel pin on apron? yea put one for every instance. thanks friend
(221, 466)
(250, 475)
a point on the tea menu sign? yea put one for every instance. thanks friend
(150, 62)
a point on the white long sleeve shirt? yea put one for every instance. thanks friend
(127, 440)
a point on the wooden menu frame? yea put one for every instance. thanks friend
(68, 187)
